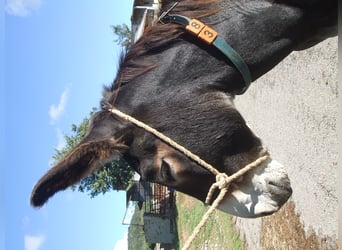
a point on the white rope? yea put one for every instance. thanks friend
(222, 179)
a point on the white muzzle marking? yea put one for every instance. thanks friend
(261, 192)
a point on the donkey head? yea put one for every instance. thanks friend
(261, 192)
(171, 85)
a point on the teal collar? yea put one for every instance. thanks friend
(210, 36)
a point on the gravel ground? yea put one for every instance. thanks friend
(293, 109)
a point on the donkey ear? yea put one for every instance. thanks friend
(85, 159)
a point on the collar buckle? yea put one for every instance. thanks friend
(166, 13)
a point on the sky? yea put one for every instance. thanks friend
(55, 58)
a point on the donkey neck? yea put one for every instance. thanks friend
(262, 32)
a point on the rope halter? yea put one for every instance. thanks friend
(222, 180)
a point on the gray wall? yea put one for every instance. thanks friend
(293, 109)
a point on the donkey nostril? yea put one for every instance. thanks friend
(281, 189)
(278, 185)
(273, 183)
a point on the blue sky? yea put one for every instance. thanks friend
(57, 56)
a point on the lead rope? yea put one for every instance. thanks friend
(222, 179)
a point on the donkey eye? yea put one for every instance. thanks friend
(166, 172)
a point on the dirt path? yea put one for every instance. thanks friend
(293, 109)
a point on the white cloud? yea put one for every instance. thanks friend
(122, 244)
(22, 7)
(51, 163)
(56, 111)
(33, 242)
(61, 143)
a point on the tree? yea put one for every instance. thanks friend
(115, 175)
(123, 35)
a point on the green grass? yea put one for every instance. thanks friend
(218, 231)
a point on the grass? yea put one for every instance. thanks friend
(218, 233)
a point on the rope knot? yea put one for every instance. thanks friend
(222, 181)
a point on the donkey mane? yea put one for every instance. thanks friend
(135, 62)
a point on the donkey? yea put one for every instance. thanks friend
(185, 88)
